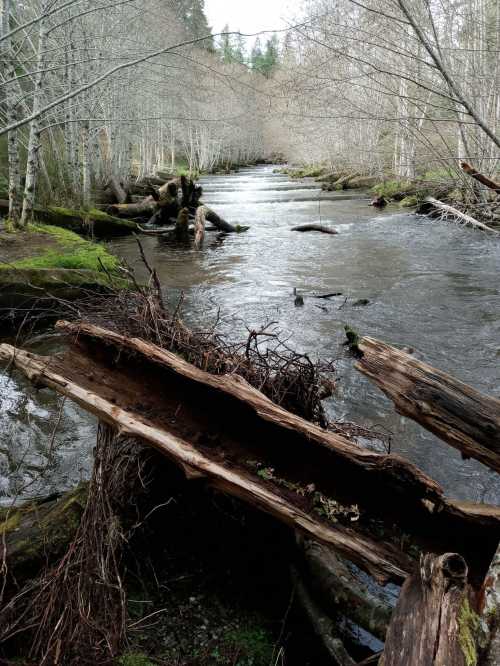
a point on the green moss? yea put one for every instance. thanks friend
(468, 623)
(253, 644)
(409, 201)
(352, 338)
(135, 659)
(9, 521)
(309, 171)
(438, 174)
(69, 251)
(389, 188)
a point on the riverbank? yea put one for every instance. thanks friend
(408, 193)
(46, 261)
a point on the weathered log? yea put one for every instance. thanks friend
(118, 190)
(38, 532)
(452, 410)
(481, 178)
(489, 609)
(434, 624)
(458, 216)
(147, 206)
(102, 392)
(341, 592)
(315, 227)
(386, 486)
(221, 224)
(86, 222)
(199, 227)
(323, 626)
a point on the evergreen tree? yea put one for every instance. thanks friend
(192, 15)
(256, 56)
(231, 47)
(265, 62)
(271, 55)
(239, 49)
(226, 46)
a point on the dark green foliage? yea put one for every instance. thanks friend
(192, 15)
(265, 61)
(231, 47)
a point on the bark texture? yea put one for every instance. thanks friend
(452, 410)
(434, 623)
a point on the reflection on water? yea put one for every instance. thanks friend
(431, 286)
(45, 440)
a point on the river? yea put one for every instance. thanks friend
(430, 286)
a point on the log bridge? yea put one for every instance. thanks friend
(376, 510)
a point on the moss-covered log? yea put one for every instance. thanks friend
(39, 532)
(92, 222)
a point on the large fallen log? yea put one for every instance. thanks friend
(434, 623)
(481, 178)
(457, 215)
(452, 410)
(143, 208)
(304, 459)
(113, 399)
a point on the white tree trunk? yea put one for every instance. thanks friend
(33, 162)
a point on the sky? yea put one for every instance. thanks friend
(249, 16)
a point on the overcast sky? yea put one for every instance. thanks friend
(249, 15)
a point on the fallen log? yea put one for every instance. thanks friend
(147, 206)
(481, 178)
(323, 626)
(341, 592)
(434, 624)
(385, 486)
(118, 190)
(109, 396)
(452, 410)
(220, 223)
(314, 227)
(458, 216)
(199, 227)
(38, 532)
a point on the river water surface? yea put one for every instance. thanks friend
(431, 286)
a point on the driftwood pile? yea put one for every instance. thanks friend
(175, 206)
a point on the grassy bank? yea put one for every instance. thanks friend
(49, 247)
(44, 262)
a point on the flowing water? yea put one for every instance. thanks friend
(430, 285)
